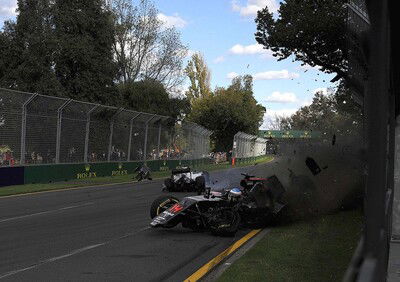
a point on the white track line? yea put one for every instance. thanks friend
(74, 252)
(45, 212)
(50, 260)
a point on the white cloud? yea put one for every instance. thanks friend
(324, 90)
(219, 59)
(306, 68)
(253, 49)
(281, 97)
(306, 103)
(280, 112)
(269, 75)
(232, 75)
(250, 8)
(8, 8)
(270, 117)
(172, 21)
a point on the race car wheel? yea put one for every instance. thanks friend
(161, 204)
(225, 222)
(169, 184)
(200, 184)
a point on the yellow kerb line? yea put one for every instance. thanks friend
(215, 261)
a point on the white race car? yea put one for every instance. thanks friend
(184, 179)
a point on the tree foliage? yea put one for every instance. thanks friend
(80, 49)
(151, 96)
(311, 31)
(228, 111)
(143, 47)
(59, 48)
(199, 76)
(335, 113)
(28, 54)
(84, 61)
(8, 55)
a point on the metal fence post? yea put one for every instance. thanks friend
(145, 138)
(201, 143)
(87, 133)
(159, 140)
(111, 133)
(189, 143)
(241, 147)
(130, 135)
(59, 124)
(204, 145)
(23, 128)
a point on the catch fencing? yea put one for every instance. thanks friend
(245, 145)
(39, 129)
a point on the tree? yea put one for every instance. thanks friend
(228, 111)
(60, 48)
(28, 54)
(276, 122)
(84, 60)
(143, 47)
(314, 32)
(334, 113)
(8, 55)
(199, 76)
(151, 96)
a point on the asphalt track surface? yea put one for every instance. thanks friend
(103, 234)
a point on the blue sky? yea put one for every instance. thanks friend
(223, 31)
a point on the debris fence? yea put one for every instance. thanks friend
(38, 129)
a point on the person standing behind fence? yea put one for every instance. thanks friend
(33, 157)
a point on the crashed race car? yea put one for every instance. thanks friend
(184, 179)
(143, 172)
(223, 212)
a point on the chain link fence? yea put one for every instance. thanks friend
(38, 129)
(245, 145)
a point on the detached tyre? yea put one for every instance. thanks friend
(225, 222)
(161, 204)
(200, 184)
(169, 184)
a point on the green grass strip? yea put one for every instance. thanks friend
(316, 250)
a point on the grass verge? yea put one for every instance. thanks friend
(40, 187)
(316, 250)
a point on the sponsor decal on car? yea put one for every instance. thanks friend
(176, 208)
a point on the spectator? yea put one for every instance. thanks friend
(39, 159)
(229, 157)
(48, 156)
(33, 157)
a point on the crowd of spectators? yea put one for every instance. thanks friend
(73, 156)
(221, 157)
(7, 159)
